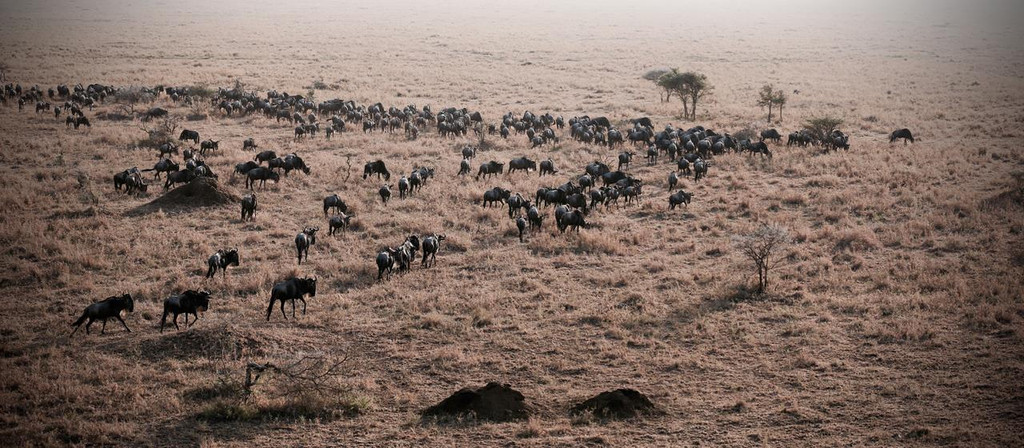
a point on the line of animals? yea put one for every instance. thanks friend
(573, 200)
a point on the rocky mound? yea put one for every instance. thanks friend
(200, 192)
(494, 402)
(617, 404)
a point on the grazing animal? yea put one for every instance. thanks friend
(245, 167)
(535, 218)
(521, 226)
(179, 177)
(189, 135)
(122, 177)
(403, 187)
(248, 144)
(261, 174)
(334, 201)
(249, 207)
(624, 159)
(385, 262)
(771, 134)
(305, 239)
(221, 260)
(265, 156)
(700, 169)
(82, 121)
(168, 149)
(495, 195)
(135, 184)
(336, 222)
(521, 163)
(463, 167)
(901, 133)
(491, 167)
(679, 197)
(291, 290)
(113, 306)
(572, 219)
(468, 152)
(385, 193)
(209, 145)
(547, 167)
(672, 180)
(189, 302)
(376, 167)
(431, 243)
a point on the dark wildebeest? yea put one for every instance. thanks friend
(491, 167)
(386, 262)
(515, 203)
(113, 306)
(521, 226)
(82, 121)
(248, 144)
(265, 156)
(167, 148)
(245, 167)
(291, 290)
(209, 144)
(403, 187)
(189, 135)
(596, 169)
(385, 193)
(135, 184)
(535, 217)
(573, 219)
(179, 177)
(547, 167)
(901, 133)
(122, 177)
(521, 163)
(463, 167)
(334, 201)
(673, 179)
(495, 195)
(249, 207)
(468, 152)
(261, 174)
(624, 159)
(336, 222)
(700, 169)
(679, 197)
(431, 243)
(163, 166)
(221, 260)
(189, 302)
(376, 167)
(305, 239)
(771, 134)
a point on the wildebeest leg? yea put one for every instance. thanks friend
(303, 307)
(122, 323)
(175, 320)
(87, 325)
(293, 309)
(104, 328)
(282, 310)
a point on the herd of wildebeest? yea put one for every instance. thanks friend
(690, 151)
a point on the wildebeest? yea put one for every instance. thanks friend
(491, 167)
(82, 121)
(463, 167)
(596, 169)
(673, 179)
(521, 226)
(248, 144)
(221, 260)
(700, 169)
(385, 193)
(679, 197)
(547, 167)
(179, 177)
(771, 134)
(495, 195)
(431, 243)
(245, 167)
(189, 302)
(406, 253)
(265, 156)
(291, 290)
(334, 201)
(403, 187)
(122, 177)
(305, 239)
(572, 219)
(113, 306)
(209, 144)
(339, 221)
(376, 167)
(135, 184)
(901, 133)
(385, 262)
(249, 207)
(261, 174)
(468, 152)
(189, 135)
(167, 148)
(163, 166)
(625, 158)
(521, 163)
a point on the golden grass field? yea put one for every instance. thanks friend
(896, 316)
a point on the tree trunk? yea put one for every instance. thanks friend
(769, 113)
(780, 113)
(686, 110)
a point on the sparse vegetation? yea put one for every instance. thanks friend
(760, 246)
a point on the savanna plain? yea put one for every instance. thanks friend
(893, 317)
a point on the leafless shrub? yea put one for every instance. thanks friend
(759, 246)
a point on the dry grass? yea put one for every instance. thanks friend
(896, 315)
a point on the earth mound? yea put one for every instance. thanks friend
(200, 192)
(617, 404)
(494, 402)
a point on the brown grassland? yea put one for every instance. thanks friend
(895, 317)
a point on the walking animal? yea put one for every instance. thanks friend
(114, 306)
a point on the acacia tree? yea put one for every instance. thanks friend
(655, 76)
(822, 127)
(780, 99)
(759, 246)
(766, 97)
(672, 82)
(695, 86)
